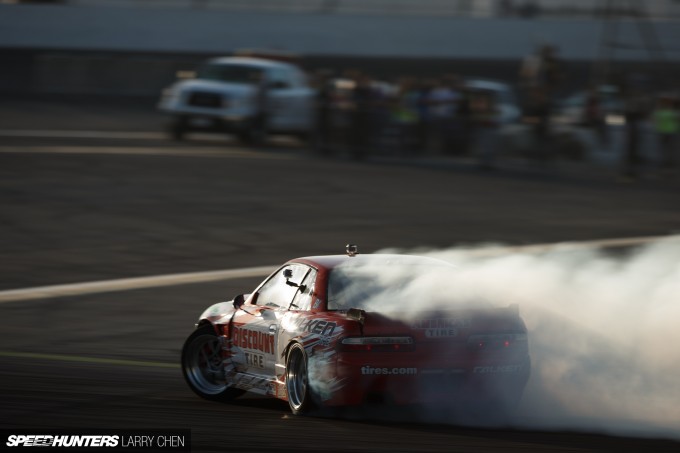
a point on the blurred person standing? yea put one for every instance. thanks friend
(541, 69)
(258, 133)
(464, 123)
(362, 117)
(323, 111)
(424, 127)
(529, 70)
(406, 114)
(541, 76)
(635, 110)
(594, 118)
(486, 121)
(667, 125)
(443, 102)
(537, 116)
(381, 106)
(550, 72)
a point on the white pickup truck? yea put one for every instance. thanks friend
(234, 94)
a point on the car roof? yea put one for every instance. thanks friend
(250, 61)
(332, 261)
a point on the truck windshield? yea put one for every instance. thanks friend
(230, 73)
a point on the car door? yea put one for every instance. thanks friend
(286, 101)
(255, 326)
(302, 101)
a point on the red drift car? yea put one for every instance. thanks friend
(345, 330)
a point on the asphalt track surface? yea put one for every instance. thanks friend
(85, 209)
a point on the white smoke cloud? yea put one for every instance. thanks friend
(604, 329)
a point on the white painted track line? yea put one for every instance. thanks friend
(133, 135)
(81, 359)
(215, 137)
(147, 151)
(126, 284)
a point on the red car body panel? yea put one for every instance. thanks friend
(453, 355)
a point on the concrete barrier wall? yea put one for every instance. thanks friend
(46, 71)
(71, 49)
(121, 74)
(194, 30)
(583, 9)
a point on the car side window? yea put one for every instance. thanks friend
(303, 298)
(279, 78)
(276, 292)
(298, 77)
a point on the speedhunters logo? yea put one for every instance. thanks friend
(46, 440)
(88, 441)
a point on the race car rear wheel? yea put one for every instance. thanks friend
(202, 366)
(300, 397)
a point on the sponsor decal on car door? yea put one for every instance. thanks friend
(254, 341)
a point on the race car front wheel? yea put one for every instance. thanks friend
(202, 366)
(300, 397)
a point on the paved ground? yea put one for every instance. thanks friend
(78, 210)
(82, 209)
(150, 325)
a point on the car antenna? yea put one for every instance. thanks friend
(352, 249)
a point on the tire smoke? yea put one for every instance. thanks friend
(604, 329)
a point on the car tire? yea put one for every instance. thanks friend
(304, 137)
(244, 137)
(256, 134)
(178, 128)
(202, 366)
(300, 394)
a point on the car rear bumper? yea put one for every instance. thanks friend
(449, 381)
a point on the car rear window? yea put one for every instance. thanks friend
(369, 284)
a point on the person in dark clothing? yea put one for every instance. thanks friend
(635, 112)
(258, 130)
(362, 117)
(538, 117)
(423, 126)
(550, 73)
(405, 114)
(667, 126)
(465, 124)
(323, 109)
(594, 118)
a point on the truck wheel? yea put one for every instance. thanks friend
(256, 134)
(178, 128)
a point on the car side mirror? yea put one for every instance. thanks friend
(185, 75)
(239, 301)
(278, 85)
(287, 273)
